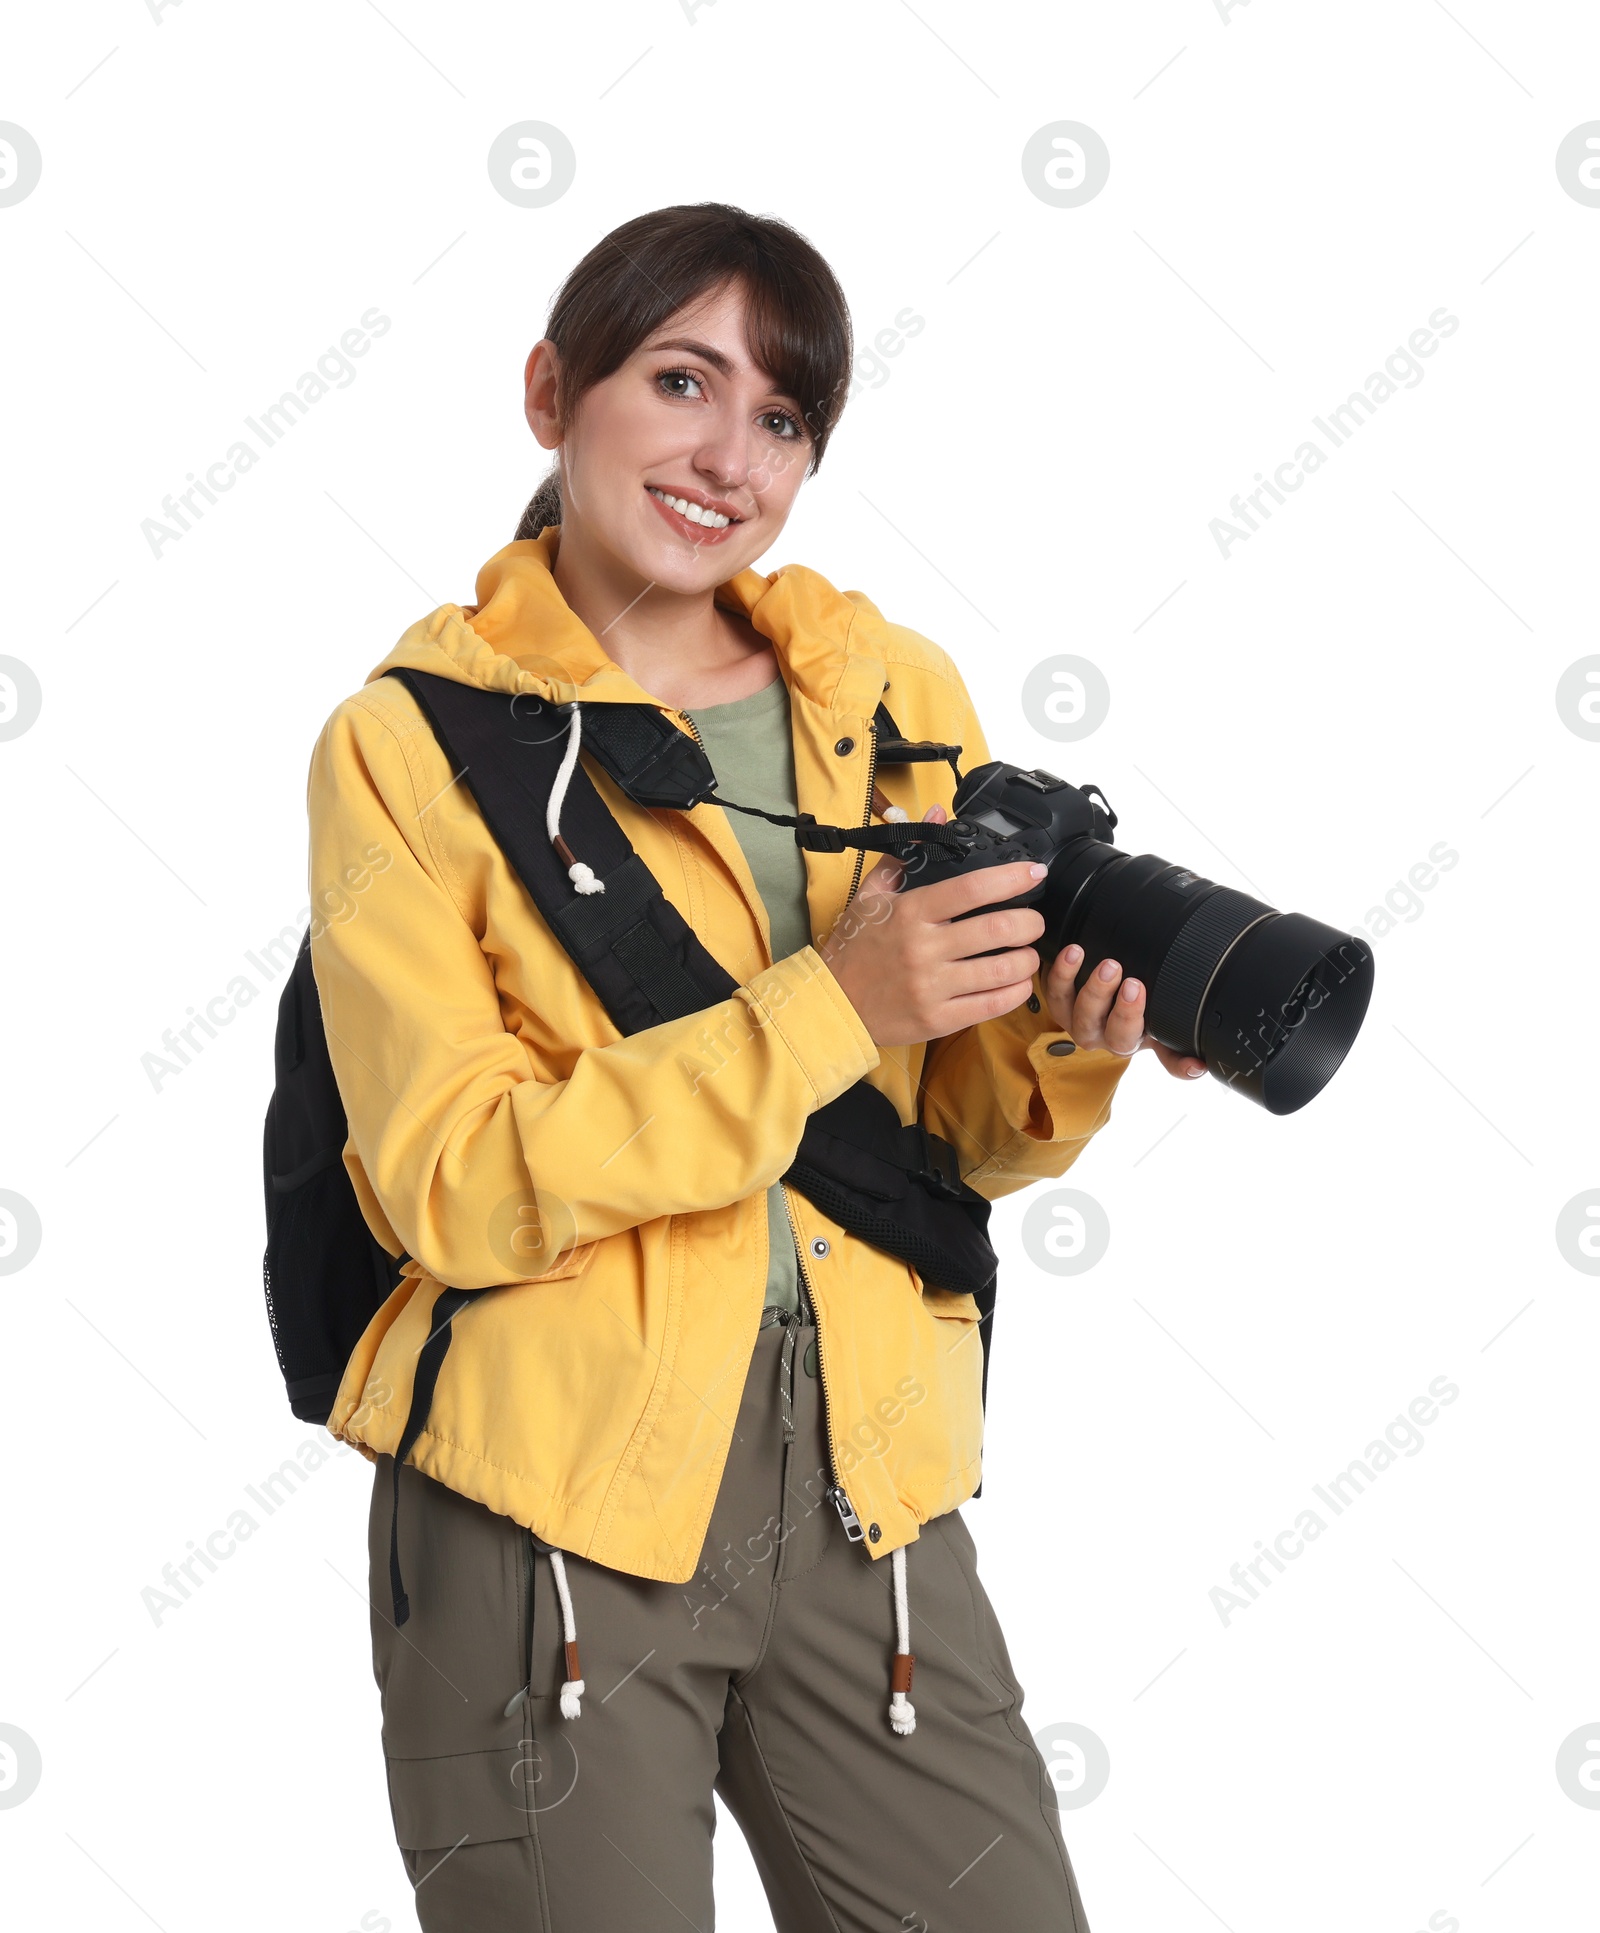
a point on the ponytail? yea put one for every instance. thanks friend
(544, 506)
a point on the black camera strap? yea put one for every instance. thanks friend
(658, 766)
(811, 836)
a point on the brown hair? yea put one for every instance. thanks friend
(632, 280)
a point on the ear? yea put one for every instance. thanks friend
(539, 377)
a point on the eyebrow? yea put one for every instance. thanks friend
(703, 350)
(706, 353)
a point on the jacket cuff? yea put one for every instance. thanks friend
(1074, 1082)
(811, 1014)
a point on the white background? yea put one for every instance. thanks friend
(1293, 191)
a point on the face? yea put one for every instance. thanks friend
(688, 416)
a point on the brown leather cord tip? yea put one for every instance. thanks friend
(881, 801)
(571, 1649)
(900, 1675)
(563, 851)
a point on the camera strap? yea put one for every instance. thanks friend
(658, 766)
(811, 836)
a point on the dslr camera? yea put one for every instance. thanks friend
(1270, 1001)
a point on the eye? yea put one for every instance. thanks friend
(668, 376)
(793, 428)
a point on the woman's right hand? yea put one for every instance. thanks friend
(903, 955)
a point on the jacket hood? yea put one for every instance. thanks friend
(522, 636)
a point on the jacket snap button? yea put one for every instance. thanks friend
(845, 747)
(819, 1247)
(1033, 1003)
(874, 1532)
(1059, 1047)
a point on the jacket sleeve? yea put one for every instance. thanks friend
(1013, 1111)
(455, 1146)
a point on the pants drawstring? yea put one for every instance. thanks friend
(572, 1689)
(791, 1324)
(902, 1713)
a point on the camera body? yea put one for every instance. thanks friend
(1270, 1001)
(1004, 814)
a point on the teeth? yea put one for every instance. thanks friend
(712, 519)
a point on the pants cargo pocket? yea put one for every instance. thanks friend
(457, 1765)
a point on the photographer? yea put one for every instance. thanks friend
(696, 1428)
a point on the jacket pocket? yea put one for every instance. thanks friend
(950, 1305)
(575, 1262)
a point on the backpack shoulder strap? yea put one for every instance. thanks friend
(630, 942)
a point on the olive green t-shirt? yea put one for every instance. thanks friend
(752, 754)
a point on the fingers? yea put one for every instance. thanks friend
(984, 932)
(1184, 1066)
(969, 1009)
(985, 972)
(1109, 1011)
(985, 887)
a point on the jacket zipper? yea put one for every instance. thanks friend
(835, 1492)
(841, 1499)
(866, 809)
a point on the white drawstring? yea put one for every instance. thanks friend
(572, 1690)
(902, 1713)
(582, 876)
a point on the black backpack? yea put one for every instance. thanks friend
(325, 1273)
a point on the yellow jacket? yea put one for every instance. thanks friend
(503, 1134)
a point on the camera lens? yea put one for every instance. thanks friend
(1270, 1001)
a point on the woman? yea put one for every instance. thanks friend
(697, 1426)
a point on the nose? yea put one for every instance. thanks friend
(724, 461)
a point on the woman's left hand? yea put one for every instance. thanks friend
(1108, 1012)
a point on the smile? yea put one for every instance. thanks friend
(690, 518)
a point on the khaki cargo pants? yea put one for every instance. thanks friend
(765, 1679)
